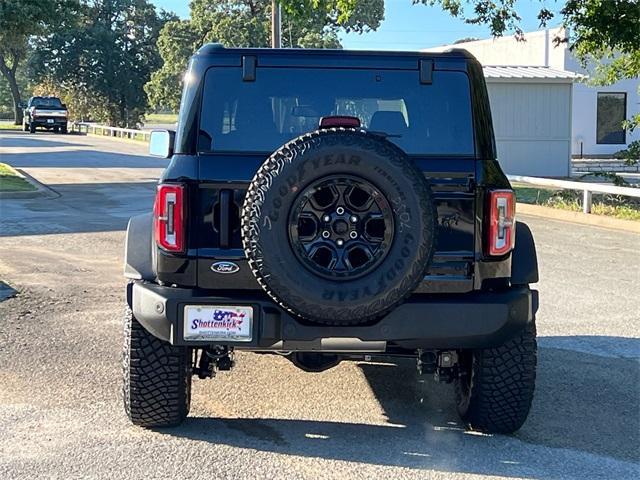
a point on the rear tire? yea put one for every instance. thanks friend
(156, 378)
(63, 130)
(495, 396)
(32, 127)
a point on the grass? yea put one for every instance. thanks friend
(8, 125)
(160, 118)
(617, 206)
(11, 181)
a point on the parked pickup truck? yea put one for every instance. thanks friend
(327, 206)
(45, 112)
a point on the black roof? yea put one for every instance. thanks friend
(217, 54)
(218, 49)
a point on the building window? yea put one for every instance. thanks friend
(612, 111)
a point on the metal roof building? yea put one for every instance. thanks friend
(528, 72)
(543, 114)
(531, 109)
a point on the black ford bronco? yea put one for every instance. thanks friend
(326, 206)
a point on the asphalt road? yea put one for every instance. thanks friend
(61, 412)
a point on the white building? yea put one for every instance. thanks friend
(543, 111)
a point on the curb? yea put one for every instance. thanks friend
(41, 189)
(578, 217)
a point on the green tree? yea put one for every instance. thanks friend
(246, 23)
(19, 21)
(105, 58)
(6, 98)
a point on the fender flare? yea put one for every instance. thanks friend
(139, 249)
(524, 260)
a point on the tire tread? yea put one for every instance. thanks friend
(503, 383)
(156, 377)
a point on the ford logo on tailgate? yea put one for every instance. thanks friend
(225, 267)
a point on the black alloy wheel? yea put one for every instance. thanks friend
(341, 227)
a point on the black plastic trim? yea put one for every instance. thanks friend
(426, 71)
(524, 260)
(225, 201)
(249, 68)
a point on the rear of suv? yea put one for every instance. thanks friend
(331, 205)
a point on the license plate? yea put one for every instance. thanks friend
(49, 120)
(217, 322)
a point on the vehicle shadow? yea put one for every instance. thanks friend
(584, 402)
(29, 141)
(78, 208)
(81, 158)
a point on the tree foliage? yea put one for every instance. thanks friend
(246, 23)
(103, 58)
(20, 20)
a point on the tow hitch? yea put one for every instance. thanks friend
(212, 360)
(443, 364)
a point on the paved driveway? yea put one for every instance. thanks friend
(97, 184)
(60, 406)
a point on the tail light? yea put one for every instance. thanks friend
(169, 217)
(502, 221)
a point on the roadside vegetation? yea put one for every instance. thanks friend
(160, 118)
(9, 126)
(11, 181)
(616, 206)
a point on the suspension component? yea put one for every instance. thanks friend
(212, 360)
(443, 364)
(447, 366)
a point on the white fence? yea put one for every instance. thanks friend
(587, 188)
(103, 130)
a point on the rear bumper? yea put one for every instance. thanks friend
(44, 122)
(472, 320)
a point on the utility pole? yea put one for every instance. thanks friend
(276, 24)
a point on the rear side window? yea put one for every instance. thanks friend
(46, 102)
(283, 103)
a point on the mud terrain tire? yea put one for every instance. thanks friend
(497, 396)
(156, 378)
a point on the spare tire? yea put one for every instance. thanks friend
(338, 226)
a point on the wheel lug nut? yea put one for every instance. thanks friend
(339, 242)
(339, 210)
(353, 219)
(325, 234)
(326, 218)
(353, 234)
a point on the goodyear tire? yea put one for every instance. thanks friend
(338, 226)
(496, 393)
(156, 378)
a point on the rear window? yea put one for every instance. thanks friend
(46, 102)
(283, 103)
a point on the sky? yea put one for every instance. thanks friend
(413, 27)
